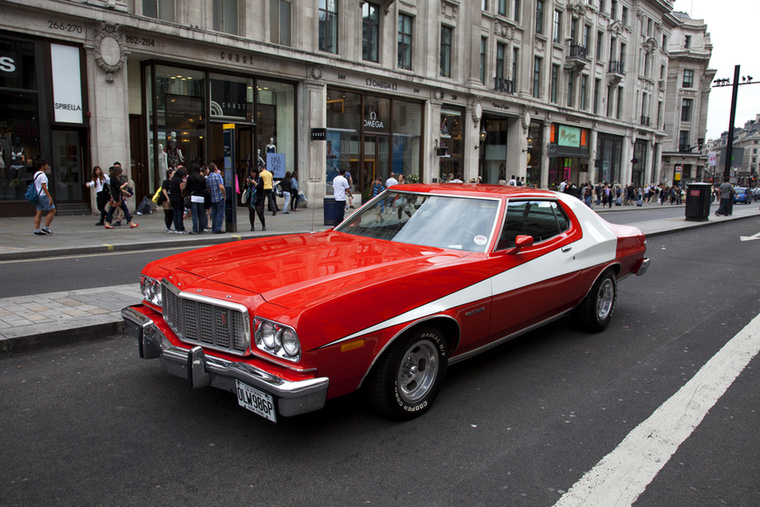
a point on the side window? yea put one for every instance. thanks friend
(540, 219)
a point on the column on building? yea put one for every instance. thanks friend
(313, 155)
(592, 168)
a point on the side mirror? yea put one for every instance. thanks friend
(522, 242)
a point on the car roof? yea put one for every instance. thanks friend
(474, 190)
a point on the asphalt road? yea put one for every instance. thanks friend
(94, 424)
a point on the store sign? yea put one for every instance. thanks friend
(67, 84)
(569, 136)
(373, 122)
(229, 99)
(7, 64)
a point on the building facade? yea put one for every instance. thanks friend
(688, 85)
(545, 90)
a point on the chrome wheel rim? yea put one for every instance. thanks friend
(604, 299)
(419, 368)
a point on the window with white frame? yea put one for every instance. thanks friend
(404, 42)
(159, 9)
(370, 31)
(279, 21)
(328, 26)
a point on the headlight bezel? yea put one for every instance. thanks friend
(268, 337)
(150, 288)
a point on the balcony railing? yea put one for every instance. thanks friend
(616, 67)
(577, 51)
(503, 85)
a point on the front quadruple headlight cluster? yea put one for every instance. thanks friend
(277, 339)
(151, 290)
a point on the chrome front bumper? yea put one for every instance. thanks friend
(293, 397)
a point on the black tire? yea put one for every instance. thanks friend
(596, 309)
(408, 376)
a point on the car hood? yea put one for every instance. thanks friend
(296, 270)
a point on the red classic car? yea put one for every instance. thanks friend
(420, 277)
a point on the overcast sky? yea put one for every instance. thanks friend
(733, 26)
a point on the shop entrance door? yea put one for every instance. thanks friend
(375, 163)
(244, 152)
(68, 171)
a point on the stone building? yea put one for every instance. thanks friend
(544, 90)
(689, 79)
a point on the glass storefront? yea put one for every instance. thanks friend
(609, 151)
(32, 125)
(640, 155)
(191, 108)
(493, 150)
(535, 142)
(451, 143)
(371, 136)
(568, 155)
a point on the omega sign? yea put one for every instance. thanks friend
(382, 84)
(373, 122)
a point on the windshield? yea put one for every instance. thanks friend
(460, 223)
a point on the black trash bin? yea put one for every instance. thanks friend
(332, 211)
(698, 201)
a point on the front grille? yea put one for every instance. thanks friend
(208, 322)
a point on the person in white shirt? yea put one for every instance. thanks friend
(391, 181)
(44, 200)
(340, 191)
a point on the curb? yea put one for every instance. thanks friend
(28, 343)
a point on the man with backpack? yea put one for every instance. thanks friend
(44, 200)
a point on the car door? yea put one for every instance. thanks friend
(532, 284)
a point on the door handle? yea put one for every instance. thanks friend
(566, 249)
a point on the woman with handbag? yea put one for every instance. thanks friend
(119, 187)
(100, 183)
(165, 202)
(196, 189)
(254, 196)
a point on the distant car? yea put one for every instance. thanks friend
(743, 195)
(422, 276)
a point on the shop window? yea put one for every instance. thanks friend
(328, 26)
(225, 16)
(404, 42)
(159, 9)
(279, 21)
(451, 159)
(180, 109)
(370, 31)
(275, 120)
(231, 98)
(406, 127)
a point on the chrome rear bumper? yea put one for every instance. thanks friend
(293, 397)
(644, 266)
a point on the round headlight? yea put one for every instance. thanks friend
(267, 331)
(290, 343)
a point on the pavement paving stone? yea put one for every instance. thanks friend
(29, 322)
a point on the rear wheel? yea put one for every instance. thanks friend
(595, 311)
(409, 375)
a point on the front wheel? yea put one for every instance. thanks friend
(409, 375)
(596, 309)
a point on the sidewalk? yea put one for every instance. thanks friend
(30, 322)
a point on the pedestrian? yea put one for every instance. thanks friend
(294, 191)
(44, 199)
(177, 200)
(255, 197)
(393, 181)
(164, 200)
(286, 191)
(340, 192)
(726, 198)
(118, 188)
(99, 184)
(267, 179)
(196, 189)
(118, 213)
(351, 187)
(512, 181)
(215, 188)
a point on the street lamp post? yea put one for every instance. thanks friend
(735, 90)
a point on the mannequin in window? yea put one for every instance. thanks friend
(259, 161)
(18, 159)
(163, 163)
(173, 152)
(271, 148)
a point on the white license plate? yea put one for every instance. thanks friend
(255, 401)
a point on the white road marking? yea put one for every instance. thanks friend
(750, 238)
(621, 476)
